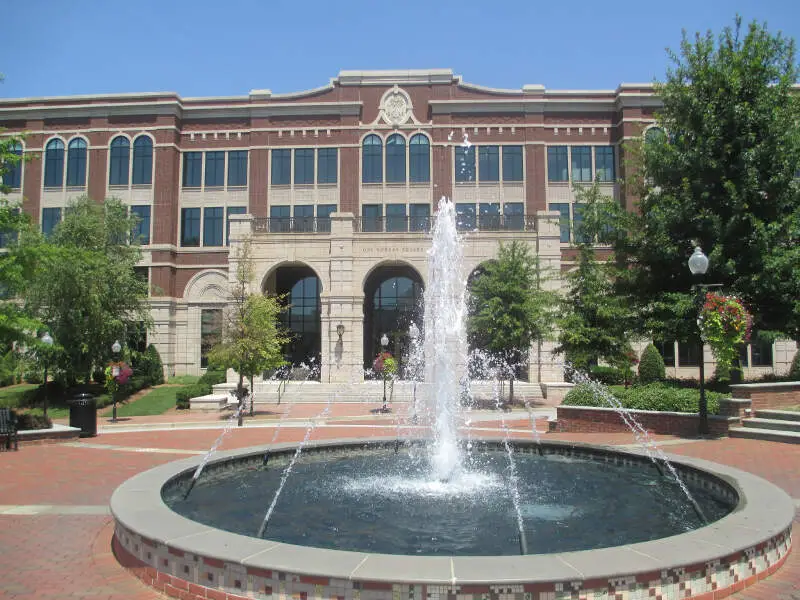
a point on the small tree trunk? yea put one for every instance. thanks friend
(252, 397)
(240, 397)
(511, 391)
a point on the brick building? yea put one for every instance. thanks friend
(335, 187)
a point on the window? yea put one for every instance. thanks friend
(304, 166)
(419, 159)
(489, 216)
(136, 338)
(396, 217)
(237, 168)
(215, 169)
(489, 163)
(141, 230)
(667, 350)
(232, 210)
(581, 163)
(465, 163)
(119, 161)
(279, 219)
(210, 332)
(192, 169)
(420, 217)
(760, 353)
(190, 227)
(563, 222)
(372, 217)
(281, 167)
(372, 160)
(396, 159)
(557, 165)
(465, 216)
(327, 168)
(8, 236)
(577, 224)
(304, 216)
(142, 160)
(512, 163)
(76, 163)
(688, 354)
(654, 135)
(13, 175)
(54, 164)
(50, 218)
(324, 212)
(604, 163)
(513, 213)
(212, 226)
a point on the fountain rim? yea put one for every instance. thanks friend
(763, 512)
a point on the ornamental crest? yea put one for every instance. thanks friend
(396, 108)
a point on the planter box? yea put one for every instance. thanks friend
(589, 419)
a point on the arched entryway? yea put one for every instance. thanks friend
(392, 301)
(300, 288)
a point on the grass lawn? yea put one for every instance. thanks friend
(157, 402)
(183, 379)
(11, 396)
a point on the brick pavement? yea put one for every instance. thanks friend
(44, 557)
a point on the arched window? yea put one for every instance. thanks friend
(54, 164)
(654, 135)
(419, 159)
(142, 160)
(13, 175)
(372, 160)
(120, 161)
(396, 159)
(76, 163)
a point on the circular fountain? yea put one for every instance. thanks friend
(441, 518)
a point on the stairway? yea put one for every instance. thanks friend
(771, 425)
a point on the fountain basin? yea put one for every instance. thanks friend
(181, 556)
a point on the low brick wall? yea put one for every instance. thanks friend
(769, 395)
(56, 435)
(590, 419)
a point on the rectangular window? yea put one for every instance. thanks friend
(192, 169)
(489, 216)
(761, 353)
(372, 217)
(667, 351)
(489, 163)
(577, 224)
(279, 219)
(50, 218)
(465, 163)
(281, 167)
(213, 219)
(210, 332)
(420, 217)
(140, 234)
(304, 166)
(327, 169)
(324, 212)
(744, 360)
(215, 169)
(304, 217)
(514, 216)
(232, 210)
(512, 163)
(557, 164)
(581, 163)
(237, 168)
(13, 177)
(396, 217)
(563, 221)
(688, 354)
(136, 338)
(8, 235)
(190, 227)
(604, 163)
(465, 216)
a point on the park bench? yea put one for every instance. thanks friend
(8, 427)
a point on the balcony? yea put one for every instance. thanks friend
(292, 225)
(399, 224)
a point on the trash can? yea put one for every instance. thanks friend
(83, 414)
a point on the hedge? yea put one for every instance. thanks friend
(655, 396)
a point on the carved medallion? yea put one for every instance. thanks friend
(395, 107)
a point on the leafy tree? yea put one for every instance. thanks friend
(83, 285)
(251, 341)
(509, 310)
(725, 177)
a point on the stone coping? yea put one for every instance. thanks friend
(763, 513)
(57, 432)
(754, 387)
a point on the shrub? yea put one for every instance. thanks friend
(213, 376)
(651, 366)
(655, 396)
(8, 364)
(186, 393)
(34, 376)
(607, 375)
(149, 366)
(794, 370)
(27, 421)
(583, 394)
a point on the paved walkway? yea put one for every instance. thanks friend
(55, 531)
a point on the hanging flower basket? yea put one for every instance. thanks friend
(725, 325)
(385, 364)
(117, 374)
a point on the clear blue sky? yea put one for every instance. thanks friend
(228, 47)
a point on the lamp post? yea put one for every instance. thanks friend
(384, 344)
(47, 340)
(116, 348)
(698, 265)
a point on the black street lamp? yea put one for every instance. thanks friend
(116, 348)
(384, 344)
(47, 340)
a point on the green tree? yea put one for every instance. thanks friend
(651, 365)
(251, 341)
(724, 176)
(84, 287)
(509, 309)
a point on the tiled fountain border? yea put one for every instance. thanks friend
(186, 559)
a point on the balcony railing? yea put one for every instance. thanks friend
(463, 222)
(292, 225)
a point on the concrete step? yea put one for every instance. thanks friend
(776, 424)
(781, 415)
(770, 435)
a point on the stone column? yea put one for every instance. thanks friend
(544, 365)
